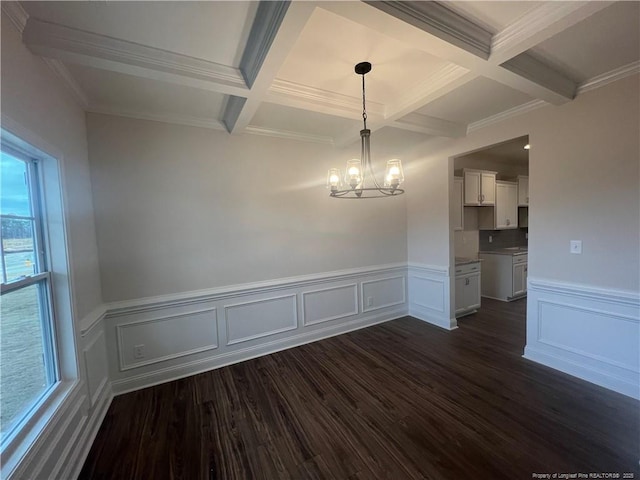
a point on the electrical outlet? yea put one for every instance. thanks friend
(490, 238)
(138, 351)
(575, 246)
(369, 301)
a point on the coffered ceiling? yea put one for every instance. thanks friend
(285, 69)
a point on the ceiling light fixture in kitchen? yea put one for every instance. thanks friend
(356, 172)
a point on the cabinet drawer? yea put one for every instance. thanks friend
(468, 268)
(520, 259)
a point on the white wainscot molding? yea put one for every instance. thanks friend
(327, 304)
(593, 334)
(189, 333)
(429, 288)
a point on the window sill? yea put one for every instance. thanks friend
(44, 419)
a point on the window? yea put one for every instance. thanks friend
(29, 368)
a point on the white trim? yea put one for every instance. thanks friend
(614, 75)
(122, 326)
(285, 92)
(15, 13)
(354, 286)
(105, 380)
(428, 269)
(73, 45)
(92, 319)
(268, 333)
(288, 134)
(171, 118)
(366, 309)
(197, 296)
(202, 365)
(506, 114)
(582, 352)
(625, 297)
(597, 360)
(63, 73)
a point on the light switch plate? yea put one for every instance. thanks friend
(575, 246)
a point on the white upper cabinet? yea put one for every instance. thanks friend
(457, 204)
(523, 191)
(479, 187)
(506, 205)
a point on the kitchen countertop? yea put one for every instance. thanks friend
(465, 261)
(508, 251)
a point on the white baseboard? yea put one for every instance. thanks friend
(587, 332)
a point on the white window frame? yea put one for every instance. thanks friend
(49, 413)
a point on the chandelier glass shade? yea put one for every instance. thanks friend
(359, 180)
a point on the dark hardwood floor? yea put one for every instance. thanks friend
(401, 400)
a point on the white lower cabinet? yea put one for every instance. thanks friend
(504, 276)
(467, 288)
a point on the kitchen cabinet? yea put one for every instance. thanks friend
(504, 275)
(457, 201)
(523, 191)
(467, 284)
(504, 215)
(479, 187)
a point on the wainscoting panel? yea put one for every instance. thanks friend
(166, 337)
(589, 333)
(429, 295)
(95, 359)
(383, 293)
(260, 318)
(189, 333)
(328, 304)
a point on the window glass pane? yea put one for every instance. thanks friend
(14, 188)
(17, 248)
(23, 377)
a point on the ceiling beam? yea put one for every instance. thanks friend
(99, 51)
(273, 34)
(436, 19)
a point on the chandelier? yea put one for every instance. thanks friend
(355, 178)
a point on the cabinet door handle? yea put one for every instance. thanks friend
(466, 281)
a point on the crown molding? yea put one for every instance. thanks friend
(437, 19)
(190, 121)
(417, 122)
(99, 51)
(303, 137)
(293, 94)
(512, 112)
(609, 77)
(538, 25)
(67, 79)
(15, 13)
(268, 19)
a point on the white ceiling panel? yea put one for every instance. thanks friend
(134, 94)
(330, 46)
(599, 44)
(213, 31)
(474, 101)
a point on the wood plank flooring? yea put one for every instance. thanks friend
(401, 400)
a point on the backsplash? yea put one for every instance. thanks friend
(503, 238)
